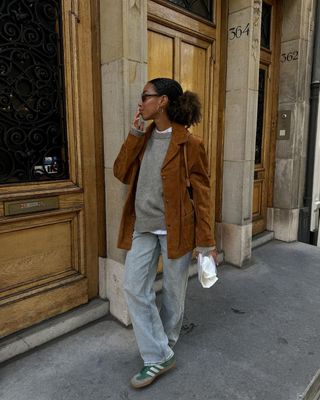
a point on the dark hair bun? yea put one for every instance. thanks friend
(186, 109)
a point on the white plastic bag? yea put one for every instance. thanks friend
(207, 271)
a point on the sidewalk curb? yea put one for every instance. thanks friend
(313, 390)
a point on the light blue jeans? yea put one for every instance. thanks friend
(154, 331)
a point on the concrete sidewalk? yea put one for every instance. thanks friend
(254, 335)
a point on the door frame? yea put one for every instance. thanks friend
(98, 127)
(271, 59)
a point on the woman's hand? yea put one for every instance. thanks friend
(138, 122)
(214, 255)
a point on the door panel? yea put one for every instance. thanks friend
(49, 255)
(161, 66)
(25, 264)
(55, 300)
(194, 66)
(42, 257)
(257, 196)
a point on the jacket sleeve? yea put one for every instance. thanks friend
(127, 157)
(200, 184)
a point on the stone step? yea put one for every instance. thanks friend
(262, 238)
(39, 334)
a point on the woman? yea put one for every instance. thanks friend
(159, 217)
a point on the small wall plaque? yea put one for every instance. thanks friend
(31, 205)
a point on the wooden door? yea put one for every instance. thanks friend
(48, 218)
(259, 210)
(182, 46)
(266, 115)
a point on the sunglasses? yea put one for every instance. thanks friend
(145, 96)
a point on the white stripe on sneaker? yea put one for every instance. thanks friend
(150, 373)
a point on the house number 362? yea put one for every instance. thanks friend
(291, 56)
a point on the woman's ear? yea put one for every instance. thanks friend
(164, 100)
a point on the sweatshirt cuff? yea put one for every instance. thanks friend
(136, 132)
(205, 250)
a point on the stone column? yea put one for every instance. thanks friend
(124, 72)
(295, 71)
(240, 129)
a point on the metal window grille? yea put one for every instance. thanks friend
(202, 8)
(33, 144)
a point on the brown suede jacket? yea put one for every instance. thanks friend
(188, 223)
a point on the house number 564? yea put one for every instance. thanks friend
(237, 31)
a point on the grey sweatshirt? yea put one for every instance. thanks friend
(149, 206)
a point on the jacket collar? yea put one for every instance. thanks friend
(179, 133)
(179, 136)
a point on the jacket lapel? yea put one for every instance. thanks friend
(179, 136)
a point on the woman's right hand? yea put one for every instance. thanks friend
(137, 122)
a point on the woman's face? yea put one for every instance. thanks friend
(150, 102)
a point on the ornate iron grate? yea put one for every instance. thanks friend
(33, 145)
(203, 8)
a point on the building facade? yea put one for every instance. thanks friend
(71, 75)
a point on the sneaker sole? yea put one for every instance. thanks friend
(147, 383)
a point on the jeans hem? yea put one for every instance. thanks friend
(171, 354)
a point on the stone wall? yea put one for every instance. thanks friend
(124, 73)
(294, 85)
(240, 130)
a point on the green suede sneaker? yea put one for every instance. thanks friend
(150, 372)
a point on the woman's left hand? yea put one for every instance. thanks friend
(214, 254)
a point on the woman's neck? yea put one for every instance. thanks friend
(162, 122)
